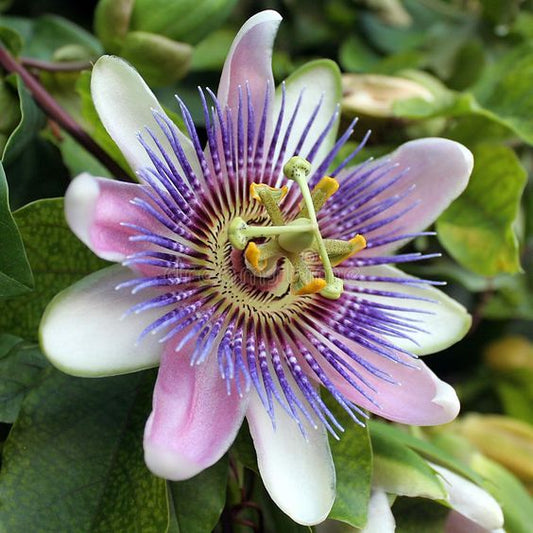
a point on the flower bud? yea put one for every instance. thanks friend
(111, 22)
(374, 95)
(505, 440)
(510, 353)
(158, 59)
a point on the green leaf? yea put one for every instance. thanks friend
(77, 159)
(243, 448)
(399, 470)
(45, 35)
(477, 229)
(211, 53)
(74, 460)
(15, 272)
(418, 515)
(11, 39)
(352, 456)
(505, 90)
(57, 258)
(21, 365)
(31, 121)
(516, 502)
(197, 503)
(424, 448)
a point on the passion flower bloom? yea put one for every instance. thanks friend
(249, 281)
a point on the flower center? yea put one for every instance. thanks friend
(290, 240)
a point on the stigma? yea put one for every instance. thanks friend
(290, 240)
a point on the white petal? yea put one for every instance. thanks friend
(380, 518)
(448, 322)
(249, 61)
(298, 474)
(83, 333)
(470, 500)
(318, 80)
(125, 105)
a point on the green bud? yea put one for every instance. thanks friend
(112, 21)
(505, 440)
(159, 60)
(374, 95)
(510, 353)
(72, 52)
(180, 20)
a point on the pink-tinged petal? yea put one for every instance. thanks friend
(125, 105)
(95, 209)
(84, 331)
(418, 397)
(457, 523)
(443, 320)
(298, 472)
(470, 500)
(250, 62)
(439, 169)
(316, 81)
(380, 518)
(194, 420)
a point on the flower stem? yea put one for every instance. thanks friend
(47, 103)
(50, 66)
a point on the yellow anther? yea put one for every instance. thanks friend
(320, 194)
(359, 243)
(253, 254)
(356, 244)
(276, 193)
(327, 186)
(312, 287)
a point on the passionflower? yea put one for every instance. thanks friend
(250, 280)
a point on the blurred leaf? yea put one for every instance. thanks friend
(468, 66)
(21, 365)
(472, 129)
(44, 35)
(15, 272)
(77, 159)
(512, 301)
(57, 258)
(505, 90)
(516, 503)
(10, 38)
(356, 56)
(180, 20)
(37, 173)
(477, 229)
(352, 455)
(31, 121)
(418, 515)
(243, 448)
(197, 503)
(210, 53)
(515, 390)
(400, 470)
(424, 448)
(76, 449)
